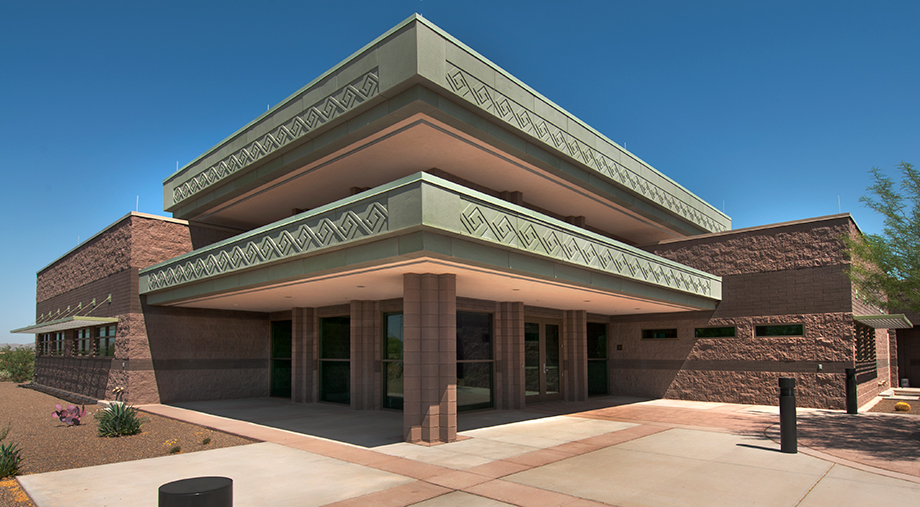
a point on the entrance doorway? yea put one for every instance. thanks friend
(542, 372)
(335, 359)
(280, 385)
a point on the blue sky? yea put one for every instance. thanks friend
(773, 110)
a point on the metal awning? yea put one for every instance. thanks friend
(892, 321)
(65, 324)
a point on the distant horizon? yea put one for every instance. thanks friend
(769, 111)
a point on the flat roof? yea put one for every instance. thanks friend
(418, 53)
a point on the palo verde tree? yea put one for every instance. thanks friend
(885, 267)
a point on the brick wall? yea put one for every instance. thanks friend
(108, 264)
(198, 354)
(791, 273)
(802, 244)
(743, 369)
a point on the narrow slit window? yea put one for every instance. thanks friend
(659, 334)
(715, 332)
(780, 330)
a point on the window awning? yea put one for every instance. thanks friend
(893, 321)
(65, 324)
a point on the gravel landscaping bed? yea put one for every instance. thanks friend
(48, 444)
(887, 406)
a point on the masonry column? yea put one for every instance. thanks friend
(365, 331)
(430, 357)
(511, 335)
(303, 355)
(575, 355)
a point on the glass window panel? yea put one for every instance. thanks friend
(780, 330)
(335, 381)
(597, 340)
(597, 378)
(393, 383)
(474, 386)
(335, 338)
(281, 339)
(474, 336)
(281, 378)
(715, 332)
(394, 336)
(531, 358)
(652, 334)
(552, 358)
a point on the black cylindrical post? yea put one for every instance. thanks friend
(787, 430)
(197, 492)
(851, 391)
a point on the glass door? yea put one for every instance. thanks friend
(281, 359)
(335, 359)
(542, 371)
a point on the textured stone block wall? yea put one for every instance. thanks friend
(108, 264)
(202, 354)
(305, 340)
(103, 256)
(783, 274)
(744, 369)
(430, 355)
(575, 355)
(510, 336)
(799, 245)
(366, 351)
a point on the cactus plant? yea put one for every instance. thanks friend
(70, 416)
(902, 407)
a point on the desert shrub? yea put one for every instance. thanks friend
(5, 376)
(902, 407)
(10, 460)
(119, 420)
(19, 362)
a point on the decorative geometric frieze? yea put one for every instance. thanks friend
(289, 240)
(488, 98)
(489, 223)
(339, 102)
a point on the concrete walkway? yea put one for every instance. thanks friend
(612, 451)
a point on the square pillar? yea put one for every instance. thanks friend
(575, 355)
(430, 357)
(511, 373)
(365, 355)
(303, 355)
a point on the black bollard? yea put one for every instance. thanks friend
(787, 430)
(197, 492)
(852, 408)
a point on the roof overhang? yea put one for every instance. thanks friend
(420, 223)
(418, 65)
(892, 321)
(65, 324)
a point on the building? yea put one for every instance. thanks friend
(418, 230)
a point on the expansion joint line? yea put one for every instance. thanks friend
(815, 484)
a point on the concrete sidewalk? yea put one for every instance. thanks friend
(607, 451)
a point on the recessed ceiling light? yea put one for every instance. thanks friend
(515, 290)
(360, 286)
(587, 301)
(288, 297)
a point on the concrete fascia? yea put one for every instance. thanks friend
(413, 52)
(420, 202)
